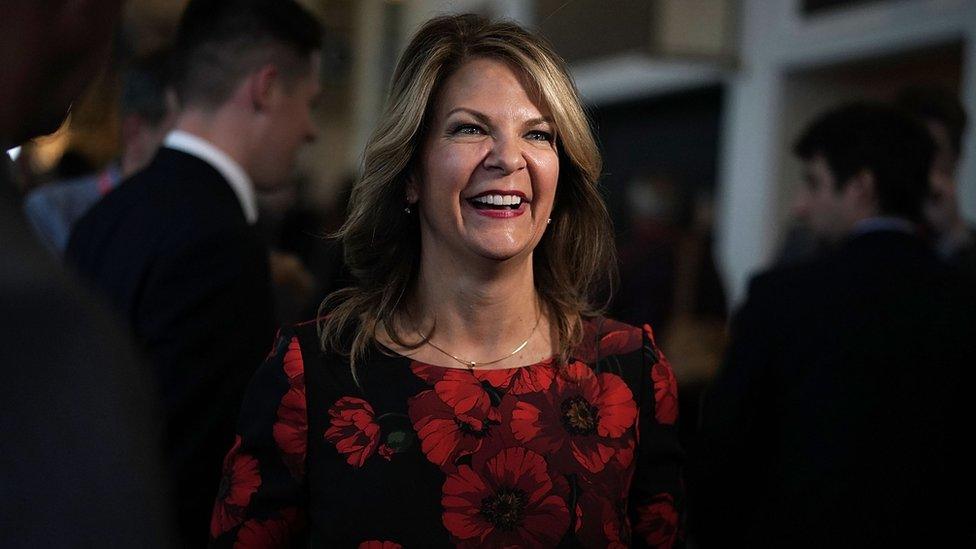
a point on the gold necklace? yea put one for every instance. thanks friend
(472, 364)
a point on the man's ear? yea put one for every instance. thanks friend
(261, 86)
(132, 125)
(862, 187)
(171, 100)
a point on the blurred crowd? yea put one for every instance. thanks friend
(139, 296)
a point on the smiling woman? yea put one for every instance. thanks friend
(475, 109)
(486, 176)
(465, 391)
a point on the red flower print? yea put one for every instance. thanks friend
(509, 501)
(379, 545)
(353, 430)
(519, 381)
(598, 522)
(528, 379)
(291, 429)
(470, 400)
(274, 532)
(427, 372)
(585, 417)
(650, 334)
(616, 338)
(386, 452)
(665, 385)
(292, 363)
(601, 508)
(443, 436)
(240, 480)
(619, 338)
(657, 522)
(612, 533)
(625, 454)
(665, 393)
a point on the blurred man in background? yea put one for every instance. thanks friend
(945, 118)
(840, 415)
(78, 457)
(175, 248)
(147, 112)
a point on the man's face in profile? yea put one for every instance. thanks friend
(941, 207)
(820, 206)
(289, 124)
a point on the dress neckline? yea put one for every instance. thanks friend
(385, 350)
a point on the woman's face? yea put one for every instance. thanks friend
(488, 167)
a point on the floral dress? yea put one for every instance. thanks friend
(415, 455)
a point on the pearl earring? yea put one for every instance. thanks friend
(548, 221)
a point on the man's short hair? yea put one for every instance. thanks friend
(895, 148)
(145, 81)
(937, 104)
(219, 42)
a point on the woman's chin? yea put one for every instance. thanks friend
(502, 253)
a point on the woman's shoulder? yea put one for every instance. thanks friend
(306, 328)
(296, 346)
(613, 347)
(310, 334)
(299, 336)
(605, 337)
(330, 358)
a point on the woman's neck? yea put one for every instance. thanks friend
(480, 314)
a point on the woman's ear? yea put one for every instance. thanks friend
(412, 191)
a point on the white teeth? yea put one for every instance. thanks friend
(499, 200)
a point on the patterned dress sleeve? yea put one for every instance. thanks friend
(657, 492)
(262, 495)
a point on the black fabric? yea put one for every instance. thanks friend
(324, 461)
(963, 258)
(841, 415)
(79, 462)
(172, 251)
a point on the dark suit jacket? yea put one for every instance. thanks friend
(841, 417)
(79, 451)
(174, 254)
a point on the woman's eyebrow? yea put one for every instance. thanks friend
(480, 116)
(485, 120)
(539, 120)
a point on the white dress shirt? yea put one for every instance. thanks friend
(235, 175)
(883, 223)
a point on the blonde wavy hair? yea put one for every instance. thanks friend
(382, 244)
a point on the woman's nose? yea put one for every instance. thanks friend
(505, 155)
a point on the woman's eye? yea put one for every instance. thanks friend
(467, 129)
(539, 135)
